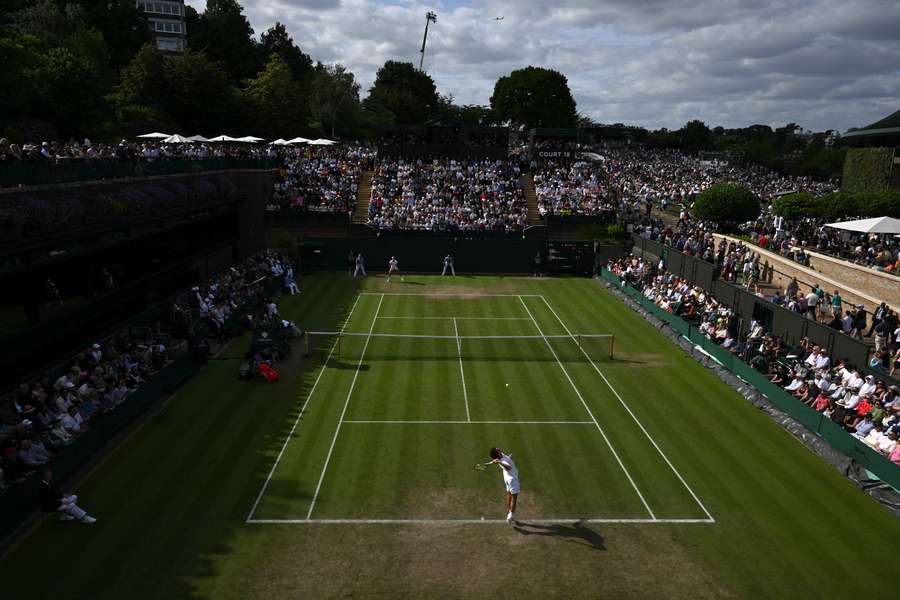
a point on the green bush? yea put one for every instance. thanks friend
(796, 206)
(881, 203)
(838, 205)
(728, 204)
(867, 169)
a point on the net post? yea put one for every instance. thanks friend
(612, 341)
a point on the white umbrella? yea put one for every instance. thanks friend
(279, 142)
(249, 139)
(322, 142)
(198, 138)
(155, 135)
(876, 225)
(298, 140)
(176, 139)
(224, 138)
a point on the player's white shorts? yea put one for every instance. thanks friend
(513, 486)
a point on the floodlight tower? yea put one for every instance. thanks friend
(430, 17)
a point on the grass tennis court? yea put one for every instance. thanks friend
(641, 476)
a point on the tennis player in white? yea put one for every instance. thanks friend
(393, 267)
(510, 480)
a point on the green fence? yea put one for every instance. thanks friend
(92, 170)
(816, 422)
(22, 499)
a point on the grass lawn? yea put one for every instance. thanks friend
(641, 476)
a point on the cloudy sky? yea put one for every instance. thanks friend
(657, 63)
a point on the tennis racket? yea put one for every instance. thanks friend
(482, 466)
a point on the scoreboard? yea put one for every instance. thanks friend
(565, 257)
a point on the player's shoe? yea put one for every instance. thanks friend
(88, 519)
(509, 518)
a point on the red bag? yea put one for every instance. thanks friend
(268, 372)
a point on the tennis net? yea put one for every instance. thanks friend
(576, 347)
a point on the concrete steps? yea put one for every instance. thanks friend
(534, 215)
(363, 194)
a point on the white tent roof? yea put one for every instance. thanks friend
(198, 138)
(298, 140)
(322, 142)
(155, 135)
(176, 139)
(224, 138)
(876, 225)
(250, 139)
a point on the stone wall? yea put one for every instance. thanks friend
(856, 284)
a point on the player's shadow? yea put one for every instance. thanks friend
(575, 532)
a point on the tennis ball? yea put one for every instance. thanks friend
(507, 385)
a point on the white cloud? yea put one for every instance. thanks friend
(821, 63)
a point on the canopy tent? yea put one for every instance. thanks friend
(155, 136)
(299, 140)
(876, 225)
(322, 142)
(176, 139)
(198, 138)
(224, 138)
(249, 139)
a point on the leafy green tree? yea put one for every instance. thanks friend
(727, 204)
(275, 98)
(695, 135)
(17, 90)
(534, 97)
(224, 33)
(123, 26)
(278, 41)
(838, 205)
(879, 203)
(335, 97)
(404, 92)
(141, 80)
(49, 22)
(70, 91)
(797, 206)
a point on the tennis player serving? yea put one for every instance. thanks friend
(510, 480)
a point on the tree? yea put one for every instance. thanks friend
(403, 91)
(277, 41)
(727, 204)
(335, 97)
(224, 33)
(70, 91)
(48, 22)
(534, 97)
(275, 98)
(796, 206)
(695, 135)
(123, 26)
(16, 86)
(141, 80)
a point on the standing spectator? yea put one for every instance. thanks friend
(836, 301)
(360, 266)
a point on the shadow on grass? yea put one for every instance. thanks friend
(576, 532)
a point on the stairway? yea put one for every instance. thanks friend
(534, 215)
(363, 194)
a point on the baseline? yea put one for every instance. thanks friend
(468, 422)
(556, 521)
(633, 416)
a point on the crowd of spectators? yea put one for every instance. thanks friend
(448, 194)
(86, 150)
(864, 405)
(322, 179)
(43, 416)
(789, 239)
(656, 176)
(576, 189)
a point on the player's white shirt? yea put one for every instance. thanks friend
(392, 264)
(510, 476)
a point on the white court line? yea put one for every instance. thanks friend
(300, 414)
(639, 424)
(453, 295)
(593, 418)
(473, 422)
(462, 373)
(461, 318)
(525, 522)
(337, 430)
